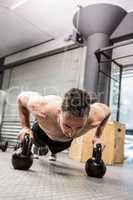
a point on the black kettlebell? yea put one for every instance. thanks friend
(22, 158)
(95, 167)
(3, 145)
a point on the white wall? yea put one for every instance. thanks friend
(50, 75)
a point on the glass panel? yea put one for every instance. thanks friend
(103, 87)
(114, 90)
(126, 108)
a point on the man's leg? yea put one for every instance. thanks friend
(41, 139)
(40, 147)
(35, 151)
(52, 157)
(43, 150)
(39, 151)
(56, 147)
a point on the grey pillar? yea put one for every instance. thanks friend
(96, 23)
(94, 42)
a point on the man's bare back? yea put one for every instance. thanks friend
(47, 109)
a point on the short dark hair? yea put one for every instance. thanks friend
(77, 102)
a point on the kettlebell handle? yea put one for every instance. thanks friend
(97, 153)
(26, 145)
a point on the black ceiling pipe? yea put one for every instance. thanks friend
(96, 23)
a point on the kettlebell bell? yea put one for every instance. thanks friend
(22, 158)
(95, 166)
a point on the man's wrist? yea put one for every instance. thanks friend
(97, 137)
(26, 129)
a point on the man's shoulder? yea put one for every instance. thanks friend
(99, 105)
(100, 110)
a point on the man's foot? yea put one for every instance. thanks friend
(35, 156)
(52, 157)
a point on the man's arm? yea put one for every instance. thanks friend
(102, 126)
(23, 114)
(96, 139)
(24, 107)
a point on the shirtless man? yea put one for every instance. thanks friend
(60, 120)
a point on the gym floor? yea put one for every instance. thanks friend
(63, 179)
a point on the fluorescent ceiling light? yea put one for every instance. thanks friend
(18, 4)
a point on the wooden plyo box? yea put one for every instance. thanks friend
(113, 137)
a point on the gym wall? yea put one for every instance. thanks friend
(50, 75)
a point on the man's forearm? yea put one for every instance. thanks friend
(24, 116)
(102, 126)
(98, 132)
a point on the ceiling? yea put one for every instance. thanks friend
(25, 23)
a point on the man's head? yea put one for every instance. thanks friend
(74, 111)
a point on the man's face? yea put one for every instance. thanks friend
(70, 124)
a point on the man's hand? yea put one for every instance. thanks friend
(97, 140)
(24, 131)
